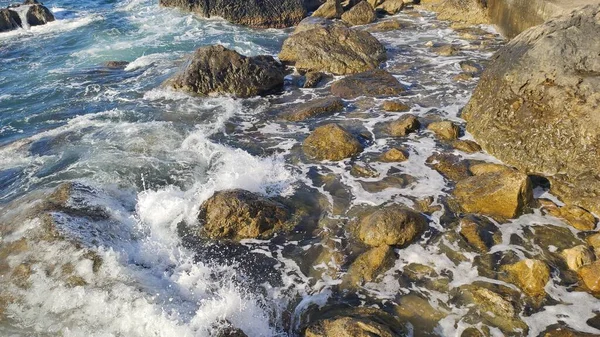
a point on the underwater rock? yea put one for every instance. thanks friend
(394, 155)
(368, 266)
(373, 83)
(315, 108)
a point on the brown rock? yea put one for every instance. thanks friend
(502, 195)
(445, 130)
(450, 166)
(484, 168)
(312, 79)
(392, 225)
(418, 309)
(575, 216)
(445, 50)
(467, 146)
(394, 155)
(530, 275)
(374, 83)
(391, 7)
(590, 274)
(363, 323)
(578, 257)
(239, 214)
(331, 142)
(360, 14)
(395, 106)
(363, 171)
(403, 126)
(315, 108)
(331, 9)
(480, 233)
(368, 266)
(386, 26)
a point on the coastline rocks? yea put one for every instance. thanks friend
(360, 14)
(536, 105)
(9, 20)
(402, 126)
(394, 155)
(395, 106)
(331, 142)
(253, 13)
(574, 216)
(368, 266)
(331, 9)
(502, 195)
(218, 70)
(445, 130)
(590, 275)
(468, 12)
(480, 233)
(239, 214)
(467, 146)
(317, 107)
(38, 15)
(578, 257)
(530, 275)
(373, 83)
(334, 48)
(391, 7)
(392, 225)
(360, 322)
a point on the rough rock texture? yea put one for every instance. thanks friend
(503, 195)
(466, 145)
(317, 107)
(480, 233)
(373, 83)
(360, 14)
(218, 70)
(470, 12)
(483, 168)
(449, 165)
(312, 79)
(395, 106)
(331, 9)
(536, 105)
(574, 216)
(368, 266)
(239, 214)
(445, 130)
(530, 275)
(360, 322)
(9, 20)
(578, 256)
(335, 49)
(38, 15)
(391, 7)
(590, 275)
(331, 142)
(392, 225)
(394, 155)
(253, 13)
(403, 126)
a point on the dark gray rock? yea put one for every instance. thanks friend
(9, 20)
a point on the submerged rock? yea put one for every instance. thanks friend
(392, 225)
(253, 13)
(239, 214)
(335, 49)
(536, 105)
(218, 70)
(502, 195)
(368, 266)
(361, 14)
(331, 142)
(315, 108)
(530, 275)
(373, 83)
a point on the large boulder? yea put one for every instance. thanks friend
(333, 48)
(536, 105)
(239, 214)
(502, 195)
(373, 83)
(392, 225)
(331, 142)
(253, 13)
(331, 9)
(218, 70)
(530, 275)
(9, 20)
(359, 322)
(361, 14)
(38, 15)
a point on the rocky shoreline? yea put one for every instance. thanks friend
(30, 13)
(535, 108)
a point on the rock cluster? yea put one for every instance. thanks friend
(36, 14)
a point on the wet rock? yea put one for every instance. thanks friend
(517, 112)
(485, 168)
(545, 236)
(368, 266)
(363, 171)
(331, 142)
(335, 49)
(386, 26)
(312, 79)
(218, 70)
(389, 181)
(450, 166)
(331, 9)
(594, 241)
(360, 322)
(470, 67)
(316, 108)
(239, 214)
(395, 106)
(360, 14)
(462, 77)
(445, 50)
(574, 216)
(475, 332)
(9, 20)
(328, 263)
(467, 146)
(590, 275)
(391, 7)
(445, 130)
(392, 225)
(374, 83)
(480, 233)
(418, 311)
(530, 275)
(402, 126)
(578, 257)
(502, 195)
(394, 155)
(38, 15)
(115, 64)
(253, 13)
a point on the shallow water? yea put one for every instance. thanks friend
(152, 156)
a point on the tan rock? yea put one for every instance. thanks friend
(331, 9)
(331, 142)
(360, 14)
(395, 106)
(315, 108)
(575, 216)
(363, 171)
(485, 168)
(467, 146)
(368, 266)
(594, 242)
(479, 233)
(530, 275)
(403, 126)
(577, 257)
(590, 274)
(450, 166)
(392, 225)
(445, 50)
(388, 25)
(374, 83)
(394, 155)
(362, 322)
(312, 79)
(502, 195)
(391, 7)
(445, 130)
